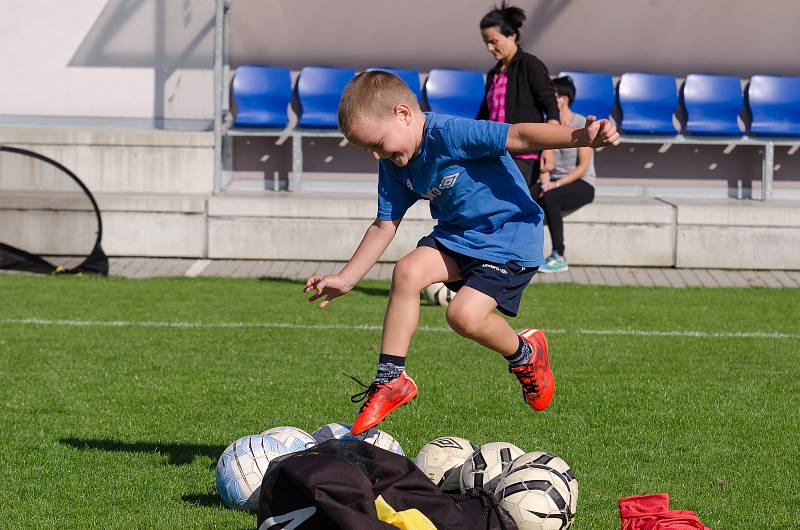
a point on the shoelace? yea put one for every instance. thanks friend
(528, 379)
(367, 394)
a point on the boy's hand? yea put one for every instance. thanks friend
(330, 286)
(600, 133)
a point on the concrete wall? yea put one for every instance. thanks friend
(672, 36)
(148, 60)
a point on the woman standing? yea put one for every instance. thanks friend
(518, 88)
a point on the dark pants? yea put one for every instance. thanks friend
(557, 201)
(530, 169)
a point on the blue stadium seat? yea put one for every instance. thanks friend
(411, 78)
(775, 105)
(594, 93)
(454, 92)
(713, 102)
(262, 95)
(319, 89)
(647, 102)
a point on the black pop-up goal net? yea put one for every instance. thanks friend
(49, 220)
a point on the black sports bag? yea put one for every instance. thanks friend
(334, 486)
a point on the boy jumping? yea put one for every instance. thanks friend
(487, 244)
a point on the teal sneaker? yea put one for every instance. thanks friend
(554, 263)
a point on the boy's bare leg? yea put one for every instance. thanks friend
(419, 269)
(471, 314)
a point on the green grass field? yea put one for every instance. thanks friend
(113, 418)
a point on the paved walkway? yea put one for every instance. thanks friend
(643, 276)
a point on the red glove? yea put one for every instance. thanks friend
(651, 512)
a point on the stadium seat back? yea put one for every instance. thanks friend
(775, 105)
(319, 89)
(262, 95)
(713, 104)
(455, 92)
(594, 93)
(410, 77)
(647, 103)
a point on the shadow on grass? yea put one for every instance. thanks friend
(369, 291)
(207, 500)
(176, 454)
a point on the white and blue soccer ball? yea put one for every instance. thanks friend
(442, 459)
(537, 497)
(331, 431)
(551, 461)
(484, 467)
(341, 431)
(293, 438)
(241, 469)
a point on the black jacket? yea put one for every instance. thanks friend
(529, 94)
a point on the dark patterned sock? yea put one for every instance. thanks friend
(389, 367)
(523, 354)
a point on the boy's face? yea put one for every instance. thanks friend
(395, 138)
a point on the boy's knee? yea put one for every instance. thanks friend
(463, 321)
(406, 274)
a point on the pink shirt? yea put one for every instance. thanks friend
(496, 101)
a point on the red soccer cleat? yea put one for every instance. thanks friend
(536, 377)
(381, 399)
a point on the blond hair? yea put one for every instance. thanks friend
(370, 95)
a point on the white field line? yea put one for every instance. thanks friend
(377, 327)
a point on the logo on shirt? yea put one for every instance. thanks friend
(447, 181)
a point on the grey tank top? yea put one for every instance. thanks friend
(567, 159)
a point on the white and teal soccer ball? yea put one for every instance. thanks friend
(293, 438)
(441, 460)
(241, 469)
(484, 467)
(438, 294)
(540, 458)
(341, 431)
(537, 497)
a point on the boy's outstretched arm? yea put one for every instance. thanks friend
(533, 136)
(378, 236)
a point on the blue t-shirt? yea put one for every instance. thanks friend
(475, 189)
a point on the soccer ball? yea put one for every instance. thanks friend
(330, 431)
(539, 458)
(483, 467)
(376, 437)
(537, 498)
(438, 294)
(441, 460)
(293, 438)
(241, 469)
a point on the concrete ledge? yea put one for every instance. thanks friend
(731, 234)
(304, 239)
(300, 205)
(104, 137)
(294, 226)
(107, 202)
(113, 160)
(628, 210)
(733, 212)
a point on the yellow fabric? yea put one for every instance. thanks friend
(412, 519)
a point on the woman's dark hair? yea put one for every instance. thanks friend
(565, 87)
(508, 18)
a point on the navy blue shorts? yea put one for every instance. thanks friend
(503, 282)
